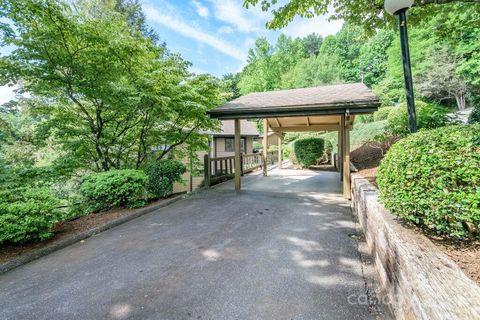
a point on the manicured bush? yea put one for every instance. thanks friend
(429, 116)
(162, 174)
(28, 214)
(114, 188)
(308, 150)
(382, 113)
(432, 178)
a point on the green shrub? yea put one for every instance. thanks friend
(286, 150)
(308, 150)
(28, 214)
(273, 148)
(429, 116)
(364, 118)
(162, 174)
(257, 146)
(475, 115)
(432, 178)
(114, 188)
(327, 151)
(382, 113)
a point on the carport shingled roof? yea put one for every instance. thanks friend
(332, 99)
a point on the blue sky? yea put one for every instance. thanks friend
(214, 35)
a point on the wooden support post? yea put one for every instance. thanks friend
(207, 170)
(238, 164)
(346, 161)
(280, 155)
(340, 146)
(265, 146)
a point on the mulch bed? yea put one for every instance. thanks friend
(67, 229)
(465, 254)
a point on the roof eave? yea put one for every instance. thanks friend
(249, 113)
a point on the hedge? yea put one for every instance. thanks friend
(162, 174)
(382, 113)
(28, 214)
(432, 178)
(429, 116)
(308, 151)
(114, 188)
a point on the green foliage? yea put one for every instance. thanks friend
(429, 116)
(373, 59)
(382, 113)
(371, 131)
(475, 115)
(311, 72)
(273, 148)
(286, 150)
(267, 64)
(28, 214)
(112, 95)
(161, 176)
(370, 14)
(257, 146)
(364, 118)
(114, 188)
(308, 150)
(432, 179)
(312, 44)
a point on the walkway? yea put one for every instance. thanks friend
(281, 249)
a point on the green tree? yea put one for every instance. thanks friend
(113, 98)
(313, 71)
(312, 44)
(373, 59)
(267, 64)
(368, 13)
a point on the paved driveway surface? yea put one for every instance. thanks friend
(278, 250)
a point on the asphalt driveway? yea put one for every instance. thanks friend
(281, 249)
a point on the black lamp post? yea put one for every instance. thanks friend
(399, 8)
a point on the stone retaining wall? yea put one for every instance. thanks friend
(415, 277)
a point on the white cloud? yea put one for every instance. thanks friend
(225, 29)
(300, 27)
(195, 33)
(202, 10)
(232, 12)
(6, 94)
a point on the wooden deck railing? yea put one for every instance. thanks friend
(223, 168)
(251, 162)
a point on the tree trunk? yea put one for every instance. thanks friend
(460, 98)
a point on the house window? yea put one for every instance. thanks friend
(230, 145)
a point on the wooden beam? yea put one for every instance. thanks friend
(280, 154)
(265, 147)
(238, 165)
(346, 161)
(278, 123)
(308, 122)
(313, 127)
(341, 148)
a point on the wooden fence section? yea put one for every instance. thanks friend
(251, 162)
(220, 169)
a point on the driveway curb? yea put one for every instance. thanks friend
(38, 253)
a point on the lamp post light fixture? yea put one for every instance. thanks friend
(399, 8)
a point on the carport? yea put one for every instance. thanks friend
(325, 108)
